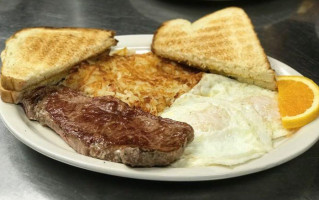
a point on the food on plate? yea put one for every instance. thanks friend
(298, 100)
(141, 80)
(123, 52)
(107, 128)
(106, 105)
(223, 42)
(41, 56)
(9, 96)
(233, 122)
(101, 127)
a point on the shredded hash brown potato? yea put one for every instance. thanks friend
(141, 80)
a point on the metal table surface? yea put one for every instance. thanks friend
(289, 32)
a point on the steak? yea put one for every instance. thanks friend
(107, 128)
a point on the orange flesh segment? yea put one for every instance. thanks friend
(294, 97)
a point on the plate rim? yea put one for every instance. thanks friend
(156, 173)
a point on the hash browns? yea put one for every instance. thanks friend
(141, 80)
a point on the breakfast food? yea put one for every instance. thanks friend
(106, 128)
(140, 80)
(144, 109)
(12, 96)
(9, 96)
(233, 122)
(101, 127)
(298, 100)
(42, 56)
(223, 42)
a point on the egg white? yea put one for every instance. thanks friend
(233, 122)
(264, 101)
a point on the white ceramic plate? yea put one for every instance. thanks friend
(47, 142)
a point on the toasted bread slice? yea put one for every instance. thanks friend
(33, 55)
(223, 42)
(9, 96)
(12, 96)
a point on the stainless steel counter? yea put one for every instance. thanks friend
(289, 32)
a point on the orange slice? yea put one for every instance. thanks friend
(298, 99)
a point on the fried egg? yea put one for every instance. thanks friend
(233, 122)
(264, 101)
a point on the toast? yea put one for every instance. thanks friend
(12, 96)
(41, 54)
(223, 42)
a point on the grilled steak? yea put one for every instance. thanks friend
(107, 128)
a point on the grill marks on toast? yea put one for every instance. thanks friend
(221, 45)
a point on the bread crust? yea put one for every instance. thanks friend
(8, 96)
(155, 36)
(12, 96)
(57, 28)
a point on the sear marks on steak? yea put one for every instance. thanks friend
(107, 128)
